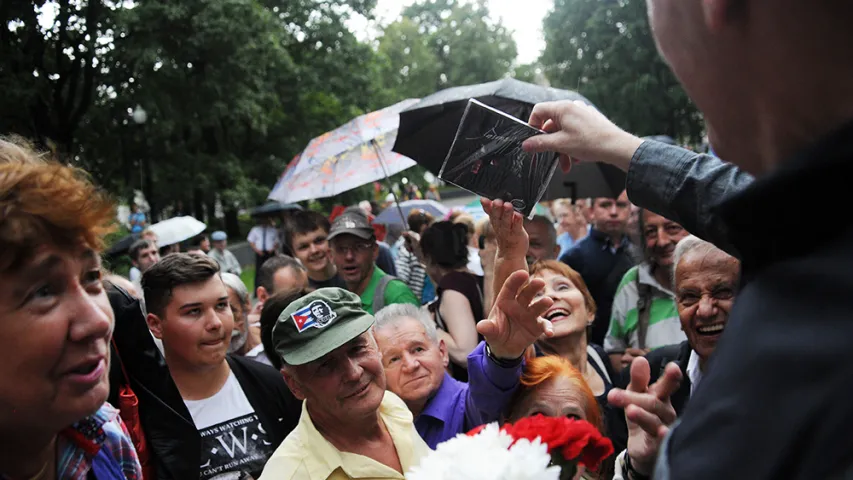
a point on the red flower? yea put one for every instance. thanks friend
(597, 449)
(576, 440)
(553, 431)
(476, 430)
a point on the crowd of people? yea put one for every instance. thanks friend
(693, 329)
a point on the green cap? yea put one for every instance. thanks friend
(317, 324)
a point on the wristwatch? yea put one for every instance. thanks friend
(502, 362)
(633, 474)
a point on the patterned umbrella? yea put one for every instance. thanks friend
(348, 157)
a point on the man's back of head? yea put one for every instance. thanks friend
(278, 273)
(770, 77)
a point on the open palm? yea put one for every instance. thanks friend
(515, 321)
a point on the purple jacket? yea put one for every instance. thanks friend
(458, 407)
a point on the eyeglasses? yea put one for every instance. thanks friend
(355, 248)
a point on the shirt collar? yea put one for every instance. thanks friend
(88, 434)
(694, 373)
(325, 458)
(259, 349)
(604, 238)
(644, 271)
(440, 405)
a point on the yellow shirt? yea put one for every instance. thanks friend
(306, 454)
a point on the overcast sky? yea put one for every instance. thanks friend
(522, 17)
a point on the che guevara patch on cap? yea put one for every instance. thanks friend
(316, 314)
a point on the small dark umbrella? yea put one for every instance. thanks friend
(427, 128)
(273, 208)
(122, 246)
(586, 180)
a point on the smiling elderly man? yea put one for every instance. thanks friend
(415, 362)
(351, 427)
(706, 281)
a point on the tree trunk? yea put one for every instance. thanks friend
(232, 225)
(148, 185)
(198, 204)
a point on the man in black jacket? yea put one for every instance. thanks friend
(705, 282)
(215, 414)
(778, 100)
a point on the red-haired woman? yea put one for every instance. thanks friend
(569, 318)
(57, 322)
(551, 386)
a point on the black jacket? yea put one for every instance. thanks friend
(658, 359)
(602, 270)
(775, 400)
(172, 437)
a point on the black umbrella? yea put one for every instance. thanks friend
(427, 128)
(122, 246)
(586, 180)
(272, 208)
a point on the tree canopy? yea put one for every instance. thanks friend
(232, 90)
(605, 51)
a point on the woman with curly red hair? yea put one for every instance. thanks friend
(56, 325)
(551, 386)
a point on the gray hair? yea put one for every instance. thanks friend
(238, 340)
(688, 245)
(394, 313)
(235, 283)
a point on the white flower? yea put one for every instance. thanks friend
(486, 456)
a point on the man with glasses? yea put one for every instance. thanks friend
(602, 257)
(354, 252)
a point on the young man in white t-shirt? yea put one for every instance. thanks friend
(241, 410)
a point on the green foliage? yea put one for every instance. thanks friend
(605, 51)
(444, 43)
(233, 89)
(248, 276)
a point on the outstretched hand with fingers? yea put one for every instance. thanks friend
(508, 226)
(648, 411)
(578, 131)
(516, 320)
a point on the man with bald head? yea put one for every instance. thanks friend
(773, 81)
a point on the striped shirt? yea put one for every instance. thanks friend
(664, 324)
(410, 270)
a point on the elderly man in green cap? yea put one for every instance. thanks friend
(351, 427)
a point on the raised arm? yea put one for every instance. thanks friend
(685, 187)
(671, 181)
(511, 254)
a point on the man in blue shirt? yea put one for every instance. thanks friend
(602, 258)
(415, 362)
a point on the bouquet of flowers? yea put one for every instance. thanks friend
(534, 448)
